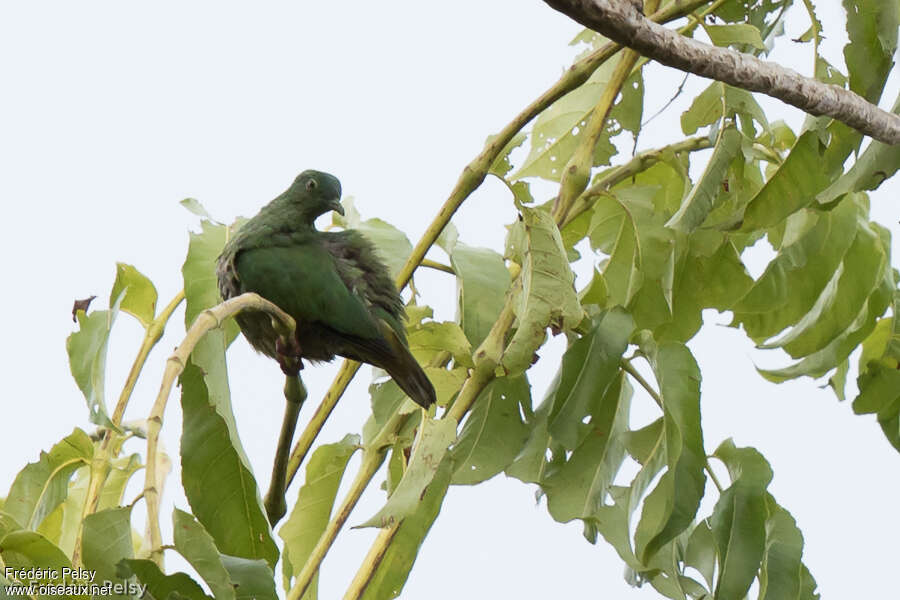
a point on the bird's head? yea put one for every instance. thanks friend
(317, 193)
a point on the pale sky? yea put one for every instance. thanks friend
(112, 113)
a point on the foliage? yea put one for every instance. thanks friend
(667, 248)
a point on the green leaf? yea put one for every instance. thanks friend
(139, 298)
(87, 359)
(493, 433)
(433, 439)
(106, 541)
(547, 297)
(614, 231)
(194, 206)
(705, 194)
(837, 351)
(482, 280)
(41, 486)
(859, 273)
(701, 551)
(159, 585)
(201, 292)
(501, 165)
(429, 339)
(314, 503)
(220, 489)
(735, 35)
(393, 570)
(878, 163)
(577, 489)
(811, 166)
(805, 263)
(251, 579)
(199, 549)
(589, 367)
(558, 130)
(446, 382)
(782, 573)
(25, 549)
(739, 520)
(705, 281)
(671, 506)
(872, 29)
(391, 244)
(121, 470)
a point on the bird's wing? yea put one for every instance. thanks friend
(359, 267)
(304, 282)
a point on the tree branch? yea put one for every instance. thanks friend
(623, 22)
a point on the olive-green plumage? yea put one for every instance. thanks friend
(331, 283)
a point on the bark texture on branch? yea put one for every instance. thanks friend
(622, 21)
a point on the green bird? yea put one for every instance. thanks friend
(332, 283)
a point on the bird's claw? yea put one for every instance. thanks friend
(288, 352)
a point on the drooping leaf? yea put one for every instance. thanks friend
(812, 165)
(782, 573)
(703, 197)
(861, 270)
(493, 433)
(671, 506)
(589, 366)
(878, 163)
(547, 297)
(739, 520)
(578, 488)
(393, 570)
(314, 503)
(831, 356)
(434, 437)
(482, 280)
(805, 263)
(41, 486)
(220, 489)
(872, 30)
(140, 296)
(701, 551)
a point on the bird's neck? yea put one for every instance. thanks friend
(298, 216)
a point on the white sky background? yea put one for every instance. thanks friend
(112, 113)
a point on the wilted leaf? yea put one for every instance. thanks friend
(547, 297)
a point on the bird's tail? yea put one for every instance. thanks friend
(406, 372)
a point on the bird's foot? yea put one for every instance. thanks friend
(288, 356)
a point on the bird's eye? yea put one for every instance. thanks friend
(311, 185)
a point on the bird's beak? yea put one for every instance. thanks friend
(336, 206)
